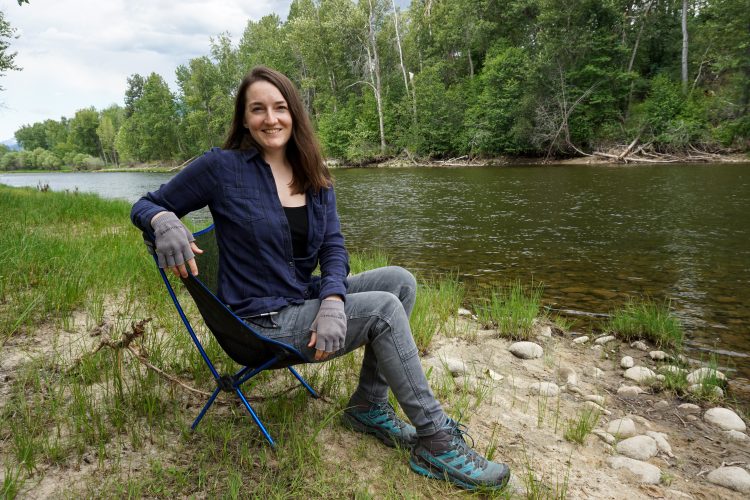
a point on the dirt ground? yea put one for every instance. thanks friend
(476, 373)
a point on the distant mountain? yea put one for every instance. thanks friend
(12, 144)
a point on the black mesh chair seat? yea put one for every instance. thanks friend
(243, 344)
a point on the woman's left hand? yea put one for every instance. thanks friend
(328, 331)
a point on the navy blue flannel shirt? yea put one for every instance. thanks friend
(257, 269)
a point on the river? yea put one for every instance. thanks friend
(594, 235)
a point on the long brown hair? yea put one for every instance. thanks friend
(302, 150)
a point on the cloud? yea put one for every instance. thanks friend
(79, 53)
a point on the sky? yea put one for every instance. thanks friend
(79, 53)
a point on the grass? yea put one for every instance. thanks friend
(512, 309)
(648, 320)
(577, 429)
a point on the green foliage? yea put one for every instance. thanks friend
(578, 428)
(512, 309)
(499, 121)
(150, 133)
(465, 77)
(649, 320)
(7, 33)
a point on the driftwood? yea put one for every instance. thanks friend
(645, 154)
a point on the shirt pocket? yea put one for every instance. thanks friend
(243, 204)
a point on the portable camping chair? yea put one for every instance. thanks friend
(240, 341)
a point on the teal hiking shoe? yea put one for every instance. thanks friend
(382, 422)
(445, 455)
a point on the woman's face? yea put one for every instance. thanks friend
(267, 116)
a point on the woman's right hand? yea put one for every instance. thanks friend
(175, 244)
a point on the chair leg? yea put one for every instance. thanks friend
(255, 417)
(304, 383)
(206, 407)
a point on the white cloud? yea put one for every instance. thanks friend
(79, 53)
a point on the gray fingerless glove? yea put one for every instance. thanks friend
(172, 240)
(330, 326)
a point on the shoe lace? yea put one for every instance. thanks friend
(380, 408)
(460, 432)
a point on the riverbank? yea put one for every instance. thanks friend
(401, 162)
(102, 423)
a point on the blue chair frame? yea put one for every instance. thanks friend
(253, 351)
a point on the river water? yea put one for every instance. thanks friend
(594, 235)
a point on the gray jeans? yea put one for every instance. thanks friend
(378, 305)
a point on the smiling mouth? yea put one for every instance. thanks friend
(272, 131)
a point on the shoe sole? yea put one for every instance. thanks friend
(429, 470)
(384, 437)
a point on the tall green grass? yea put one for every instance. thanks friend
(62, 252)
(512, 309)
(647, 319)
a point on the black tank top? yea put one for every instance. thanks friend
(297, 218)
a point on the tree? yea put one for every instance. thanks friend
(110, 121)
(133, 93)
(83, 134)
(7, 33)
(150, 133)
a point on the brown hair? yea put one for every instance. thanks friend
(303, 150)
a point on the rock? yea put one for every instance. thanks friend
(455, 366)
(526, 350)
(661, 378)
(493, 375)
(638, 447)
(545, 331)
(692, 418)
(689, 408)
(627, 362)
(640, 345)
(568, 375)
(640, 420)
(734, 478)
(604, 340)
(597, 408)
(639, 374)
(622, 428)
(676, 370)
(574, 389)
(544, 389)
(595, 398)
(580, 340)
(604, 436)
(735, 435)
(712, 389)
(645, 472)
(702, 374)
(629, 391)
(661, 442)
(724, 419)
(658, 355)
(597, 348)
(593, 372)
(464, 312)
(661, 404)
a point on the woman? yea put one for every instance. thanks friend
(274, 210)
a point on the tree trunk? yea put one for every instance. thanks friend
(684, 47)
(401, 59)
(374, 63)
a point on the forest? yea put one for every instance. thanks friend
(446, 79)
